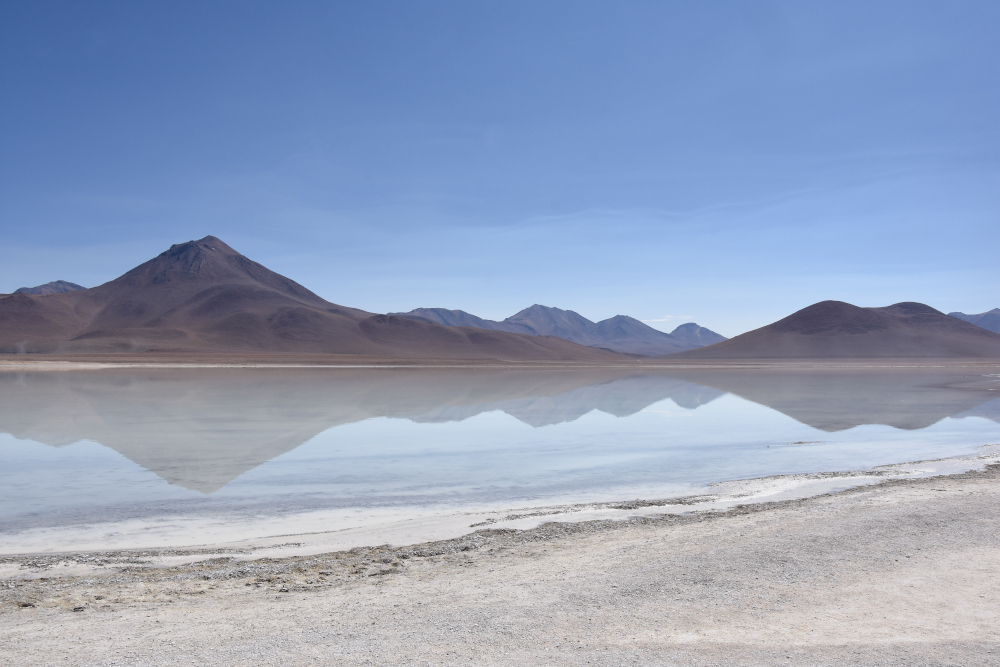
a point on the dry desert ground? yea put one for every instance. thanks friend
(902, 573)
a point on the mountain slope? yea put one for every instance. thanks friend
(990, 320)
(838, 330)
(620, 333)
(203, 296)
(450, 318)
(54, 287)
(540, 320)
(696, 336)
(627, 334)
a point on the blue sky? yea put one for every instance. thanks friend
(729, 162)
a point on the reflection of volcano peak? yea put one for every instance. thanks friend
(202, 429)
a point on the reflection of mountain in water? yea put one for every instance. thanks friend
(839, 399)
(201, 429)
(620, 397)
(989, 411)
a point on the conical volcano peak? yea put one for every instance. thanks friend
(209, 262)
(206, 259)
(206, 243)
(211, 239)
(202, 296)
(202, 248)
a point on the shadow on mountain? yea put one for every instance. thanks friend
(201, 429)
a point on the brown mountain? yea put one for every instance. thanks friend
(204, 296)
(838, 330)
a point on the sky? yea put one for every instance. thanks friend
(720, 162)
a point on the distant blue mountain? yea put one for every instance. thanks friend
(620, 333)
(54, 287)
(990, 320)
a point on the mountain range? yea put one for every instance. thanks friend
(620, 333)
(990, 320)
(204, 296)
(838, 330)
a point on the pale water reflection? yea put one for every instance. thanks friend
(92, 446)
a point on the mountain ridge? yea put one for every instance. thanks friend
(204, 296)
(620, 333)
(53, 287)
(840, 330)
(990, 320)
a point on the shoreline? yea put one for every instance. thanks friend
(890, 565)
(398, 527)
(902, 572)
(56, 362)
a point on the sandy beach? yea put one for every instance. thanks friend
(903, 572)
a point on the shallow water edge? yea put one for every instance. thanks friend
(189, 540)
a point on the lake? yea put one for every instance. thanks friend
(246, 451)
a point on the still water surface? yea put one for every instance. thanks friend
(98, 446)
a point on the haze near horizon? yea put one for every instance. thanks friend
(727, 164)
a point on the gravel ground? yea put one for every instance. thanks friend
(903, 573)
